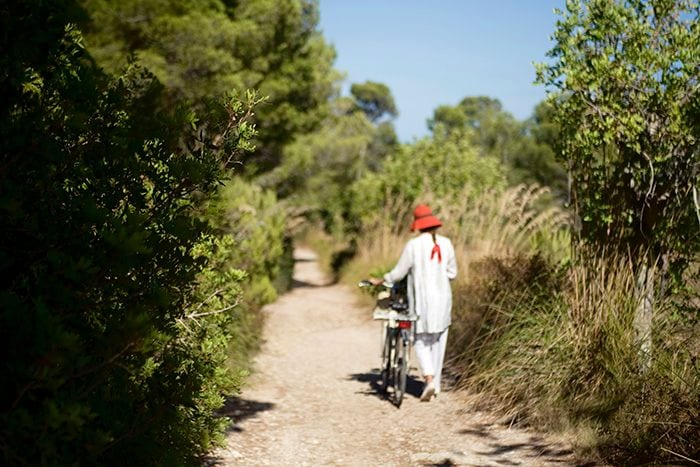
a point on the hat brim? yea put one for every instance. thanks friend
(425, 223)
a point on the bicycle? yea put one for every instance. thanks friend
(392, 308)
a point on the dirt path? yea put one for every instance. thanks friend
(314, 398)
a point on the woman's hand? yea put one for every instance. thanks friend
(376, 281)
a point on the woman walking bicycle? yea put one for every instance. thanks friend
(429, 262)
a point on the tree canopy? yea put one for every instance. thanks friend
(624, 88)
(204, 49)
(522, 147)
(374, 99)
(343, 149)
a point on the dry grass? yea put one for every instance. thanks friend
(571, 358)
(384, 236)
(602, 302)
(495, 223)
(550, 339)
(505, 223)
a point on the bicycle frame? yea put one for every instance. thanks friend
(396, 355)
(397, 340)
(405, 328)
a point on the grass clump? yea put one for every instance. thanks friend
(555, 340)
(562, 348)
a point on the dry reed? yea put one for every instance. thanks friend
(547, 337)
(520, 220)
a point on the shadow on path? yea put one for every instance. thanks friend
(535, 448)
(414, 387)
(503, 452)
(238, 409)
(480, 430)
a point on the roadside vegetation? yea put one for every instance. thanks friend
(160, 158)
(575, 310)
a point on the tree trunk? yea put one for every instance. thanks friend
(643, 316)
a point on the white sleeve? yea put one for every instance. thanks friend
(451, 266)
(402, 267)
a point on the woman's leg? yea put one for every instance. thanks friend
(426, 347)
(438, 354)
(423, 347)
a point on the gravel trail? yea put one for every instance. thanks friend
(314, 398)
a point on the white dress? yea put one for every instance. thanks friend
(429, 290)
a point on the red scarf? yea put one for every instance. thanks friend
(436, 249)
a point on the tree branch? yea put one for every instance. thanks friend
(695, 200)
(216, 292)
(681, 456)
(206, 313)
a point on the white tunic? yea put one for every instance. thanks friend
(429, 291)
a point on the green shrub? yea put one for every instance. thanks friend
(658, 421)
(98, 256)
(260, 246)
(449, 167)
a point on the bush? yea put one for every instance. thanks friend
(564, 350)
(99, 254)
(658, 421)
(259, 245)
(451, 167)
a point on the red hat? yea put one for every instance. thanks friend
(423, 218)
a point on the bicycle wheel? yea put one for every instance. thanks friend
(387, 358)
(400, 368)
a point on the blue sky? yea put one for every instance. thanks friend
(436, 52)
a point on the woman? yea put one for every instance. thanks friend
(429, 261)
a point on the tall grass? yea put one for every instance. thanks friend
(561, 348)
(552, 339)
(647, 405)
(602, 304)
(383, 238)
(522, 219)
